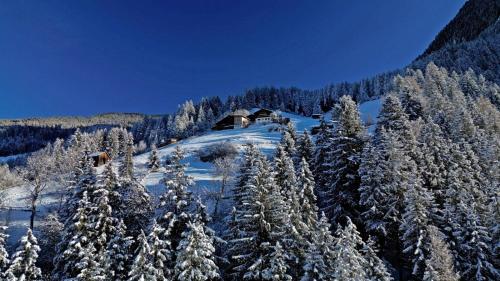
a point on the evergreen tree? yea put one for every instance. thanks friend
(393, 118)
(342, 197)
(4, 255)
(118, 253)
(375, 267)
(84, 179)
(268, 222)
(288, 143)
(419, 205)
(102, 220)
(160, 249)
(23, 265)
(127, 166)
(305, 147)
(195, 261)
(323, 160)
(175, 203)
(290, 129)
(240, 233)
(142, 268)
(307, 198)
(277, 267)
(386, 173)
(77, 255)
(154, 161)
(439, 264)
(348, 262)
(320, 255)
(111, 184)
(412, 101)
(472, 243)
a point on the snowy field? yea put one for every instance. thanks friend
(202, 173)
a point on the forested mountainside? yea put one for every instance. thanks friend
(18, 136)
(118, 119)
(415, 200)
(482, 55)
(472, 19)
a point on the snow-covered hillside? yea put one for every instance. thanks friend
(265, 136)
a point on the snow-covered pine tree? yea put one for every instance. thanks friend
(307, 197)
(323, 160)
(409, 92)
(239, 235)
(23, 265)
(439, 264)
(111, 184)
(160, 250)
(84, 179)
(285, 214)
(379, 182)
(195, 259)
(258, 223)
(4, 255)
(305, 147)
(154, 161)
(375, 267)
(434, 151)
(290, 128)
(386, 172)
(419, 210)
(127, 165)
(268, 222)
(175, 203)
(142, 268)
(76, 252)
(349, 263)
(250, 157)
(393, 118)
(136, 206)
(319, 260)
(277, 268)
(285, 176)
(342, 197)
(118, 253)
(288, 143)
(472, 242)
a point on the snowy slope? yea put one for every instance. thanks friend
(203, 173)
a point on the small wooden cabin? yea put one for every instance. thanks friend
(232, 122)
(261, 116)
(167, 142)
(100, 158)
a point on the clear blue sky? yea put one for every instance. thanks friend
(86, 57)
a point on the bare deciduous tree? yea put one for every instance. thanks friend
(36, 175)
(224, 169)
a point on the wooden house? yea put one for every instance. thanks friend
(261, 116)
(167, 142)
(100, 158)
(232, 121)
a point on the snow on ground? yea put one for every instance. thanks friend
(263, 135)
(369, 112)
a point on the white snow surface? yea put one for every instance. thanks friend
(265, 136)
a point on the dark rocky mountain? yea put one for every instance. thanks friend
(472, 19)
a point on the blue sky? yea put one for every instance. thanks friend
(88, 57)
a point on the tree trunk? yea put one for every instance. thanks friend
(32, 216)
